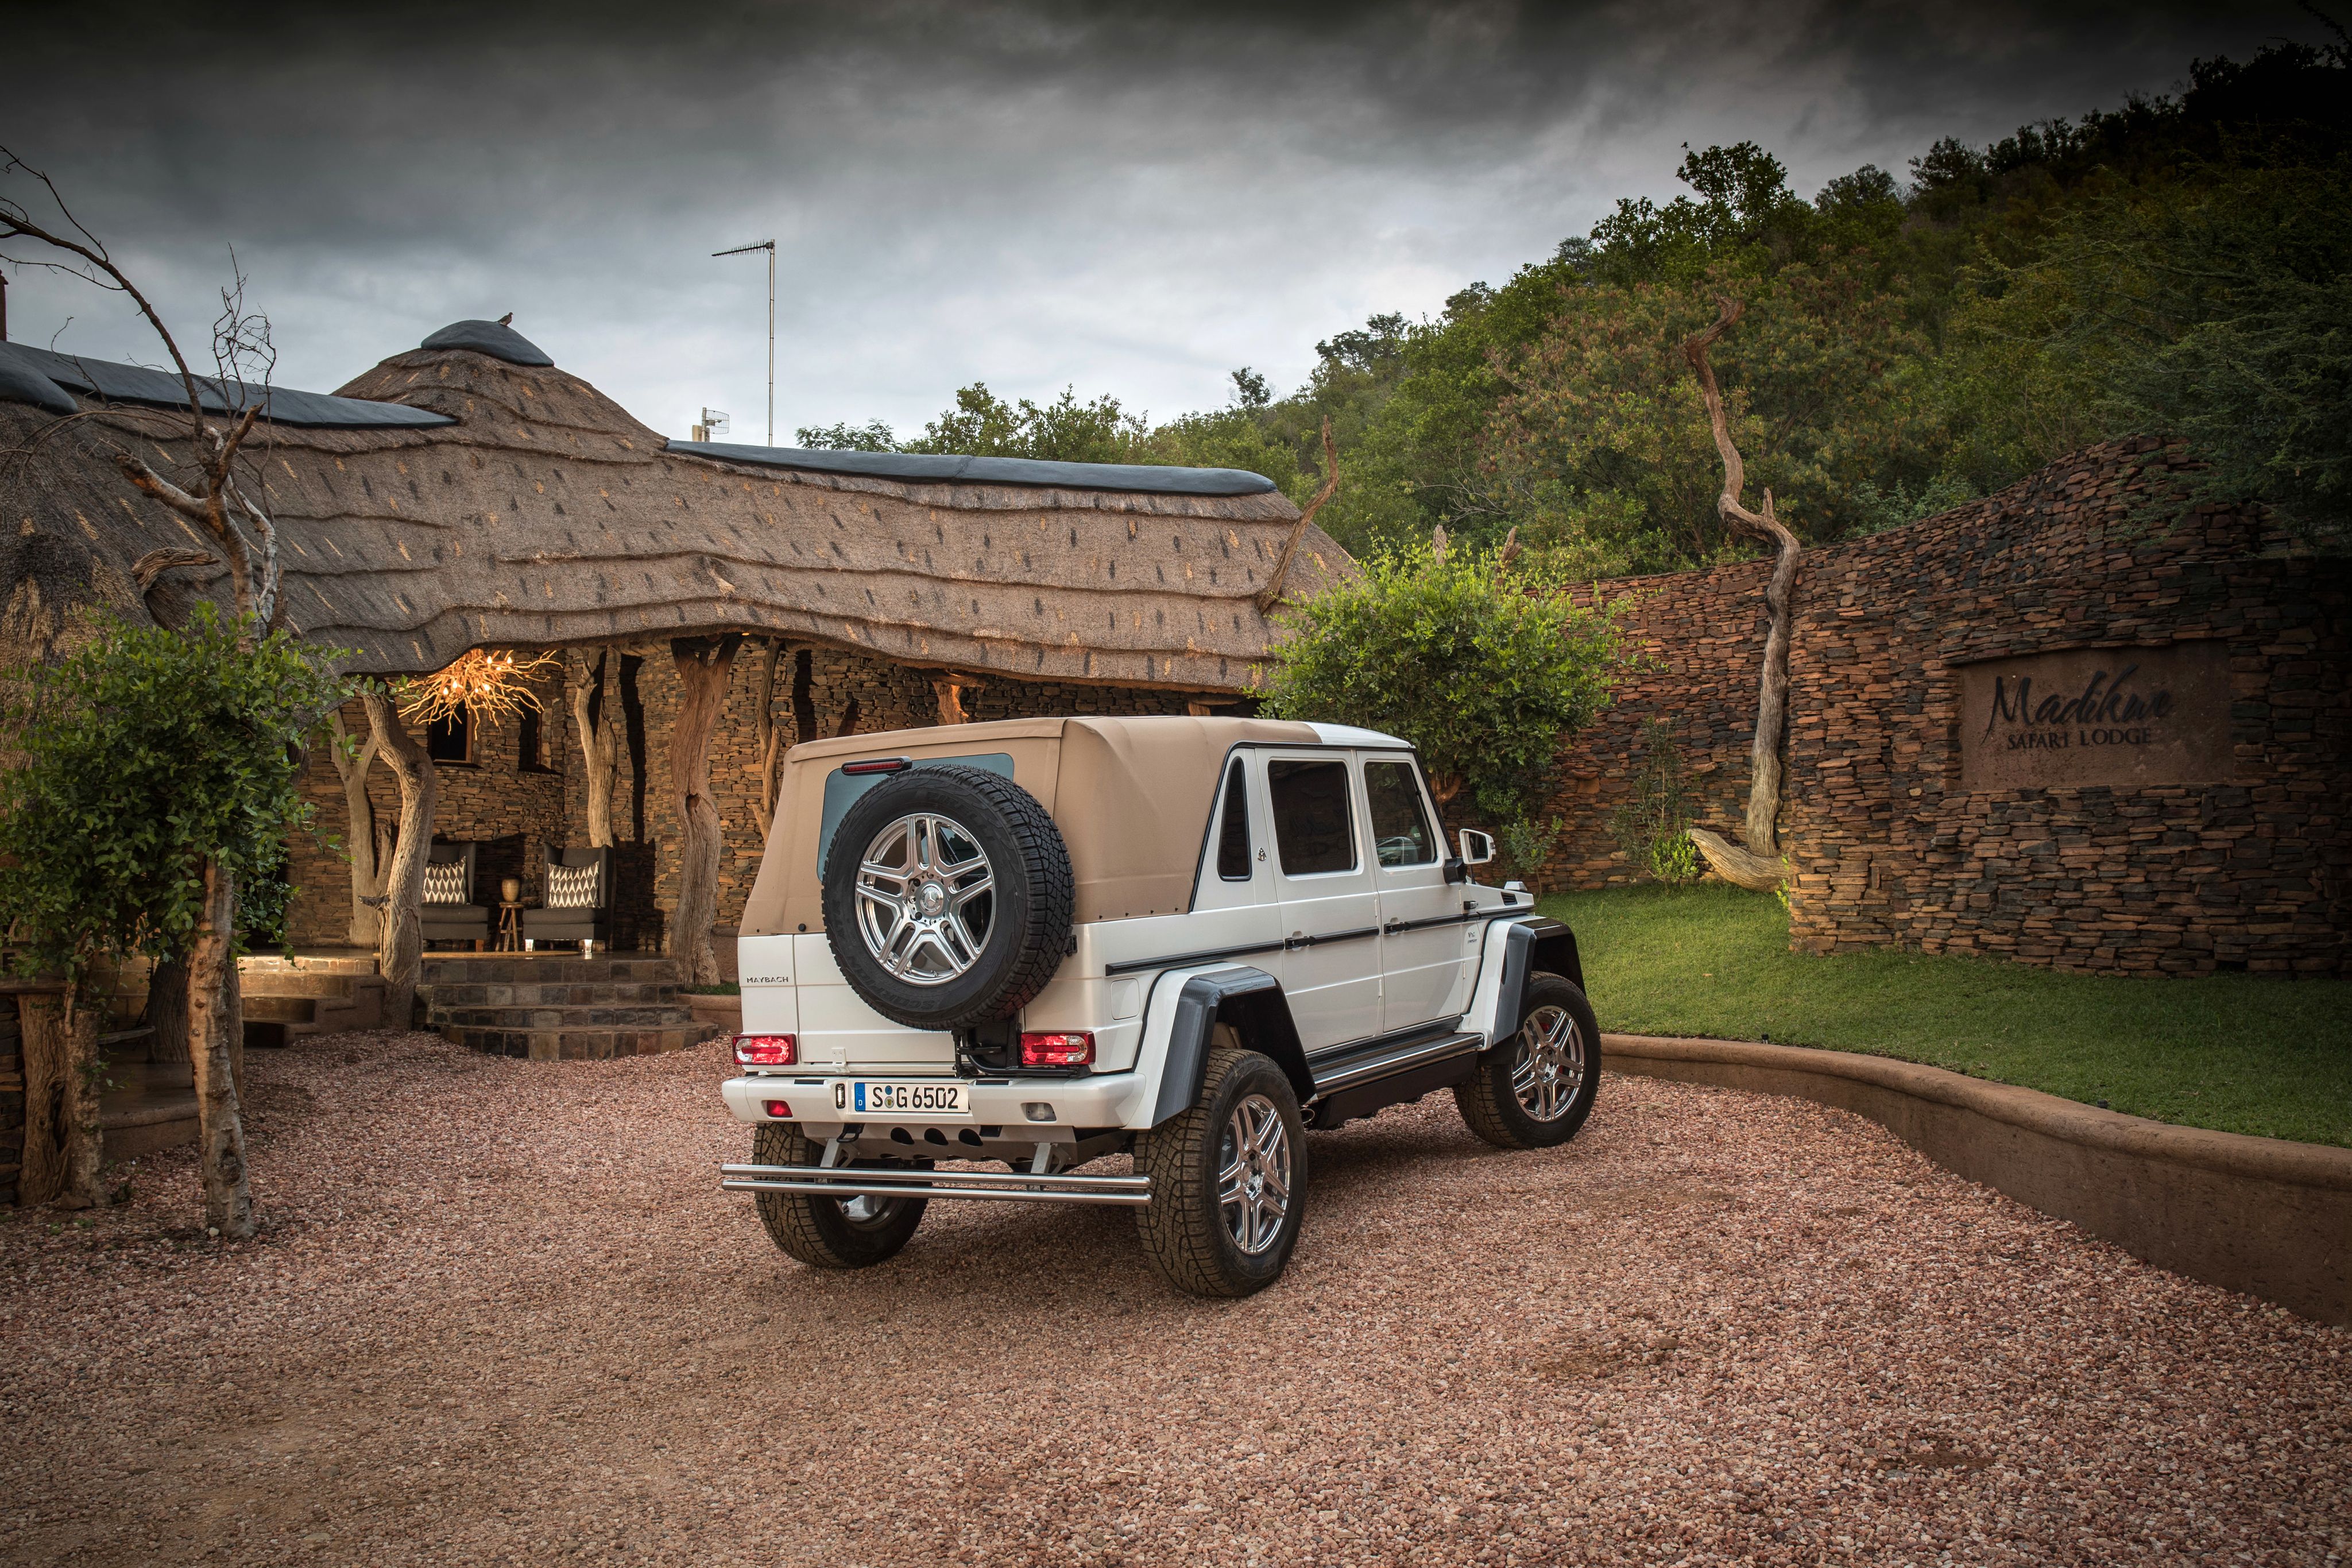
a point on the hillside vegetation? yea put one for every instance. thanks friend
(2178, 265)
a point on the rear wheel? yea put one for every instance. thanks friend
(1228, 1180)
(1535, 1090)
(828, 1233)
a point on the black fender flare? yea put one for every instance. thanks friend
(1251, 1001)
(1542, 944)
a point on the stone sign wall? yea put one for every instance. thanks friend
(2204, 828)
(2132, 717)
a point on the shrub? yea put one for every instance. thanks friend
(1486, 678)
(143, 755)
(1653, 826)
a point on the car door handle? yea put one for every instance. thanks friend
(1391, 927)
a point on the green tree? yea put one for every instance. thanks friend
(156, 769)
(872, 436)
(1066, 430)
(1488, 672)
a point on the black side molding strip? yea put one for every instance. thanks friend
(1185, 960)
(1213, 955)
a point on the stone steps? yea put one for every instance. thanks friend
(597, 1045)
(558, 1006)
(589, 1016)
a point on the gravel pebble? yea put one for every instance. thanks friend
(500, 1313)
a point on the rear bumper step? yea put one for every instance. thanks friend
(1021, 1186)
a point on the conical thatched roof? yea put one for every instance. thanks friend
(545, 515)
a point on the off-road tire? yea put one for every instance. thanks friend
(1183, 1228)
(1034, 898)
(817, 1229)
(1489, 1104)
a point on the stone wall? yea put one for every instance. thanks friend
(512, 809)
(2248, 868)
(496, 798)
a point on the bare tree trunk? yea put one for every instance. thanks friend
(167, 1009)
(359, 812)
(703, 665)
(1271, 594)
(769, 737)
(600, 741)
(61, 1154)
(400, 950)
(1758, 863)
(214, 1021)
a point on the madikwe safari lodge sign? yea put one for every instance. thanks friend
(2127, 717)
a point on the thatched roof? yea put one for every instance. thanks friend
(544, 515)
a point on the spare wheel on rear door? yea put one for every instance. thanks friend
(947, 897)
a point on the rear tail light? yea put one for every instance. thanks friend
(779, 1111)
(764, 1050)
(1057, 1050)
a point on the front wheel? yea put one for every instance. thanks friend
(1228, 1180)
(828, 1233)
(1535, 1090)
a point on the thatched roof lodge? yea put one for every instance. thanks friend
(469, 493)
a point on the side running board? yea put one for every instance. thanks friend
(1348, 1073)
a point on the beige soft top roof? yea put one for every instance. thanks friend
(1132, 796)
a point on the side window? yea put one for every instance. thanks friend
(1401, 831)
(1233, 834)
(1313, 826)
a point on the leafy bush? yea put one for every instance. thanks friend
(1524, 846)
(1653, 826)
(1486, 678)
(143, 755)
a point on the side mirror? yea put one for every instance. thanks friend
(1477, 848)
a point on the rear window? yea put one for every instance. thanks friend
(842, 791)
(1232, 830)
(1313, 826)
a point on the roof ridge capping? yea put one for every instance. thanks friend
(939, 468)
(41, 377)
(496, 339)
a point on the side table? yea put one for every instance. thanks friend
(509, 928)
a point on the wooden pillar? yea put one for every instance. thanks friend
(704, 664)
(949, 690)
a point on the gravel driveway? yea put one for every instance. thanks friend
(503, 1313)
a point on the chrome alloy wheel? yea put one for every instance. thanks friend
(1550, 1068)
(1253, 1175)
(925, 898)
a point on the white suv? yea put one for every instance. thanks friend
(1045, 941)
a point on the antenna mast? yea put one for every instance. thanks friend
(770, 247)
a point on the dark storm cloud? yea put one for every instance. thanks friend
(1134, 198)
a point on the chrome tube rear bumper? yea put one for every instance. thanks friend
(849, 1181)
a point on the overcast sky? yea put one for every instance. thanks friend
(1132, 198)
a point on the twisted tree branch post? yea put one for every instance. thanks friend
(352, 764)
(1758, 863)
(704, 664)
(400, 945)
(600, 742)
(1271, 594)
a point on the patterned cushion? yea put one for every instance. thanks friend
(572, 887)
(445, 883)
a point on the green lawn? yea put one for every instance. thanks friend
(2236, 1052)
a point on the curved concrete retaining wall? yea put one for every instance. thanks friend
(2259, 1215)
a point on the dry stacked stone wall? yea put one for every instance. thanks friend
(2241, 861)
(511, 804)
(512, 808)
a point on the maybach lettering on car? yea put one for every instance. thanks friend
(1035, 943)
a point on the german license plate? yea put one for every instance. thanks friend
(919, 1102)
